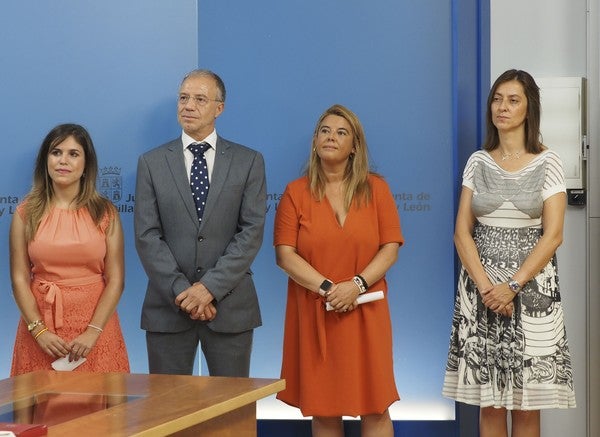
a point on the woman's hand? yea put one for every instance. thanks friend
(82, 345)
(498, 298)
(342, 296)
(507, 311)
(51, 343)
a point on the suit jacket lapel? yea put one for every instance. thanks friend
(176, 165)
(220, 170)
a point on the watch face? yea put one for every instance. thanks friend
(31, 326)
(326, 285)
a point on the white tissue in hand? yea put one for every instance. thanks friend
(363, 298)
(64, 364)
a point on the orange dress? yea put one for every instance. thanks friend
(67, 265)
(337, 363)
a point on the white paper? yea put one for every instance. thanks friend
(64, 364)
(363, 298)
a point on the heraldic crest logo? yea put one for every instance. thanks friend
(110, 184)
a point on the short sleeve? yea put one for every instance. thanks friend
(387, 213)
(286, 227)
(554, 181)
(469, 171)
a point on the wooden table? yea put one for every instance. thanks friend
(162, 405)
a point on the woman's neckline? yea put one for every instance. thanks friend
(527, 164)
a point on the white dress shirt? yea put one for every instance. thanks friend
(209, 155)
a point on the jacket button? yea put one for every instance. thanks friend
(198, 269)
(200, 238)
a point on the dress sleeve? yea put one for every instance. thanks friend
(555, 177)
(285, 230)
(469, 171)
(387, 213)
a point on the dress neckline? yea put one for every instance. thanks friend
(64, 210)
(528, 164)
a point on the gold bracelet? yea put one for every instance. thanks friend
(40, 333)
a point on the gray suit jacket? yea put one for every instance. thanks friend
(176, 251)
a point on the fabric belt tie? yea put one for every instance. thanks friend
(321, 331)
(54, 297)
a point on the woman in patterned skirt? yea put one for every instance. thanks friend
(508, 346)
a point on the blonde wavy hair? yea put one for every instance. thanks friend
(356, 174)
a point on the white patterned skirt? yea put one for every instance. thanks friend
(520, 362)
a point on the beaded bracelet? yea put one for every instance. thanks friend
(40, 333)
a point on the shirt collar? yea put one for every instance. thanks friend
(210, 139)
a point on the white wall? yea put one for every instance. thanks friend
(545, 37)
(593, 341)
(550, 38)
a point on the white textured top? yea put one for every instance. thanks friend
(512, 199)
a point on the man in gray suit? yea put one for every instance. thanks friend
(200, 286)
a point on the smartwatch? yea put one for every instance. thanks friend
(325, 287)
(514, 286)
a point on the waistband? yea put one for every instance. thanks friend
(54, 296)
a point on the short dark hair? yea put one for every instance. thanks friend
(207, 73)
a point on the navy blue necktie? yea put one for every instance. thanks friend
(199, 176)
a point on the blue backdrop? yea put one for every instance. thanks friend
(115, 67)
(112, 66)
(288, 62)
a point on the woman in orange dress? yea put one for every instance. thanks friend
(337, 232)
(66, 260)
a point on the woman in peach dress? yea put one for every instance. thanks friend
(66, 260)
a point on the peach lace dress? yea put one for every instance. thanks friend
(67, 257)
